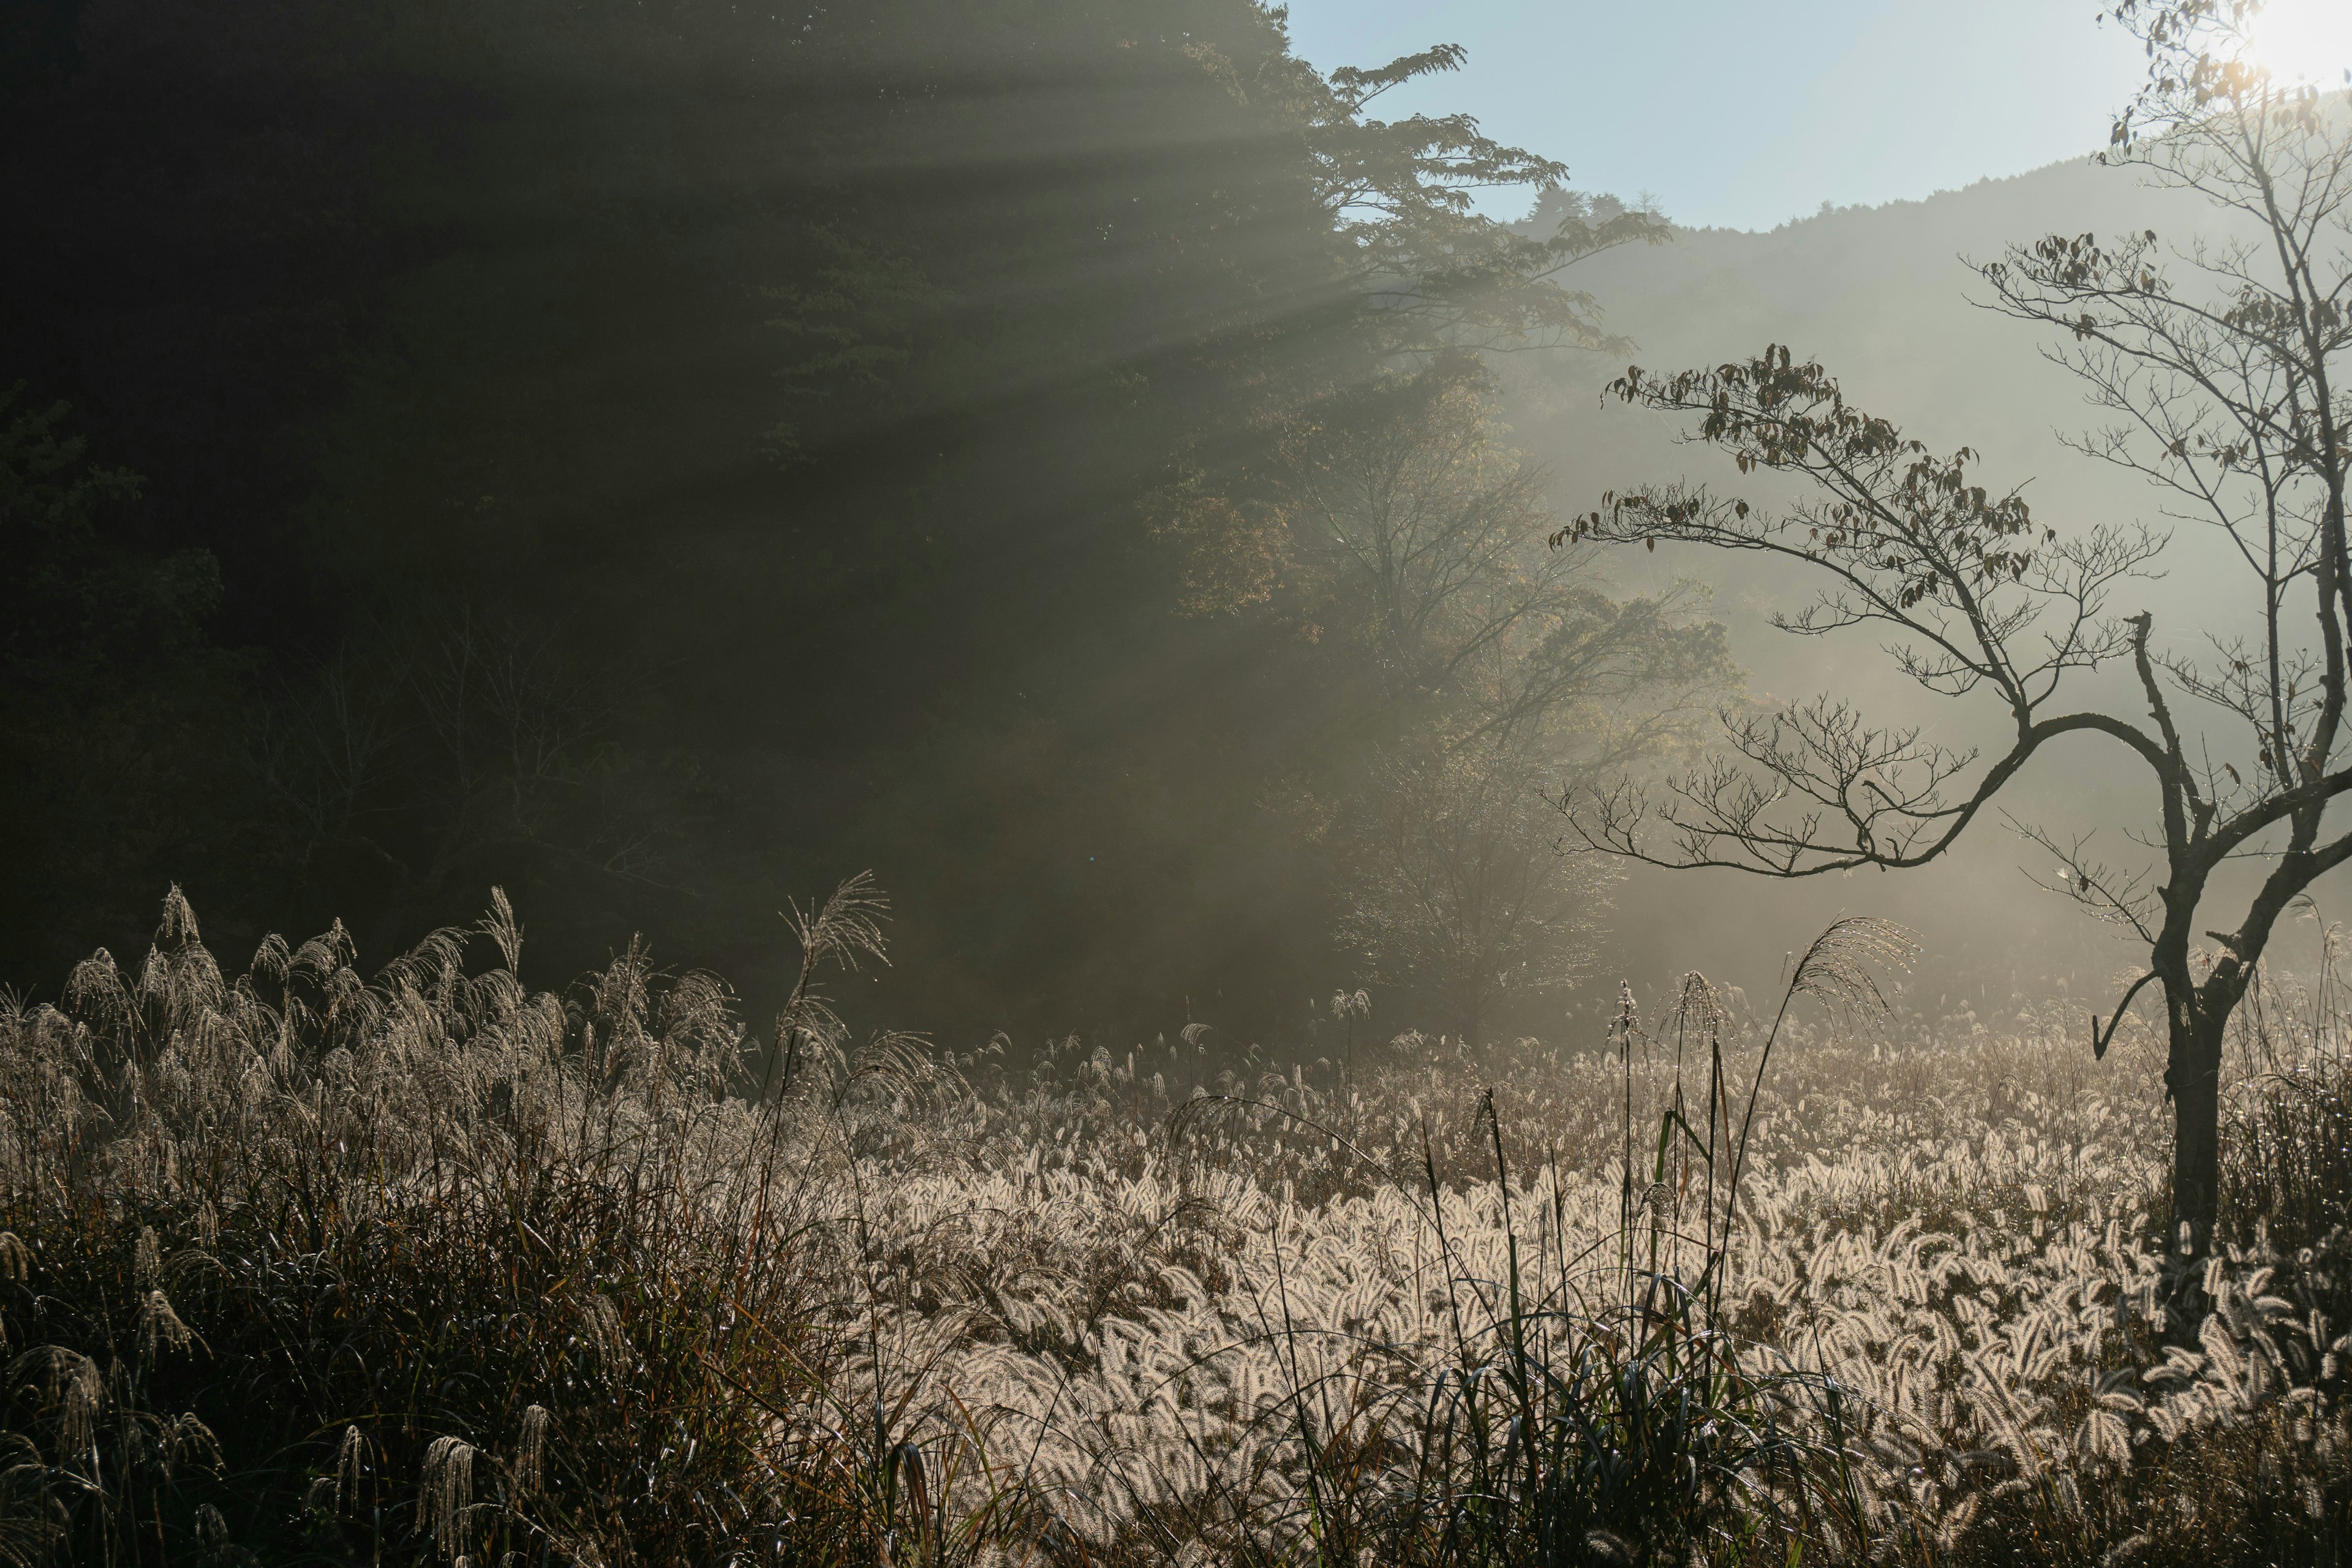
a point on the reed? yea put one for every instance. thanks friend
(308, 1266)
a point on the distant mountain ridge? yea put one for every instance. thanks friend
(1881, 296)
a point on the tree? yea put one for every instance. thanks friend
(119, 711)
(1458, 890)
(2219, 364)
(1398, 518)
(808, 361)
(1426, 268)
(1399, 525)
(449, 747)
(1421, 532)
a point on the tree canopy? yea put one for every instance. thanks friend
(661, 460)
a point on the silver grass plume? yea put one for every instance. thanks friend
(601, 1329)
(1697, 1007)
(446, 1492)
(1837, 970)
(501, 927)
(212, 1527)
(530, 1453)
(189, 1444)
(846, 928)
(76, 1381)
(160, 1328)
(1609, 1548)
(350, 1458)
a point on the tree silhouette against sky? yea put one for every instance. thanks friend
(2216, 367)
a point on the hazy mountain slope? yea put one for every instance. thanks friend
(1882, 297)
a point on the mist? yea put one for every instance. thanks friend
(664, 466)
(1144, 783)
(1889, 297)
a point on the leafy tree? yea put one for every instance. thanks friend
(1457, 890)
(2222, 366)
(807, 366)
(1425, 534)
(118, 712)
(1398, 523)
(436, 750)
(1424, 267)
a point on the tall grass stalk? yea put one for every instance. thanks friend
(304, 1267)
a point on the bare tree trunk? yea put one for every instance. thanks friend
(2192, 1076)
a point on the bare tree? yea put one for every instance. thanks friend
(2218, 363)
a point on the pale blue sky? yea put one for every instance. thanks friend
(1743, 114)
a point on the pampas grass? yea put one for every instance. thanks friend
(309, 1266)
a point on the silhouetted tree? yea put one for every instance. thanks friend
(2223, 366)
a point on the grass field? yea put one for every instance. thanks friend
(302, 1266)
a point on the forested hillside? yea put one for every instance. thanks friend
(1075, 461)
(1007, 789)
(663, 460)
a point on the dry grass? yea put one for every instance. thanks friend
(300, 1268)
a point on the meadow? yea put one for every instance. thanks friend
(305, 1266)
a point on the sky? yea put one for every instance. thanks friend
(1738, 114)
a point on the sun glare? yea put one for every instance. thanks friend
(2306, 40)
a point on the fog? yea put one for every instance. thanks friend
(1150, 783)
(1888, 299)
(664, 466)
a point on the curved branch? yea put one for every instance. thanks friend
(2099, 1042)
(1731, 805)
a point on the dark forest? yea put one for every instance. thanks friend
(663, 461)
